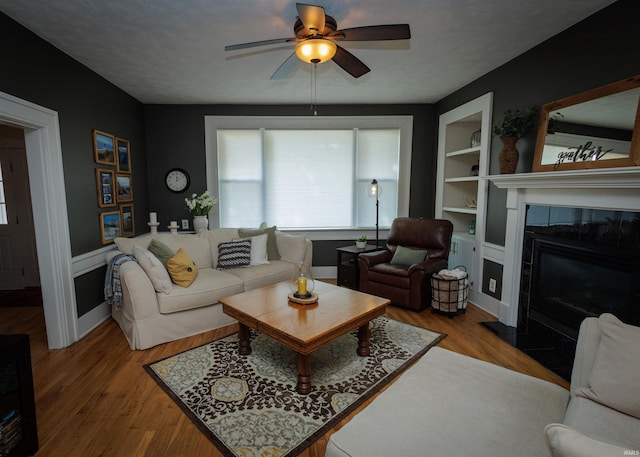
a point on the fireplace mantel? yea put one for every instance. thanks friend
(608, 178)
(602, 188)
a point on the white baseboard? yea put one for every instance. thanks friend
(324, 272)
(88, 322)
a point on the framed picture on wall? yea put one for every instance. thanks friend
(110, 226)
(106, 188)
(104, 147)
(126, 215)
(123, 186)
(124, 156)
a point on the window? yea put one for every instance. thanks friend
(298, 177)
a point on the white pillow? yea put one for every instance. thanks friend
(126, 245)
(258, 250)
(563, 441)
(292, 248)
(615, 379)
(154, 269)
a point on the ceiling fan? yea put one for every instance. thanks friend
(316, 34)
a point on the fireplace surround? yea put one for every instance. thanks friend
(598, 191)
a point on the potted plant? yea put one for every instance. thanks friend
(361, 242)
(200, 206)
(514, 125)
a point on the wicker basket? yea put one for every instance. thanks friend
(449, 294)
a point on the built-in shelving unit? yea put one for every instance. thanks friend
(461, 187)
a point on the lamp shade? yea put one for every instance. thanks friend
(374, 190)
(316, 50)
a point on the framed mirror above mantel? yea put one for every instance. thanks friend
(599, 128)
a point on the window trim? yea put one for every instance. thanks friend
(403, 123)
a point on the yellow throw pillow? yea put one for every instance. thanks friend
(182, 269)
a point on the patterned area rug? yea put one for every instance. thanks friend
(248, 406)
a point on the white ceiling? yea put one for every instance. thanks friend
(172, 51)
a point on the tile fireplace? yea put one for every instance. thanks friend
(572, 249)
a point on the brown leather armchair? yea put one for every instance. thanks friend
(407, 286)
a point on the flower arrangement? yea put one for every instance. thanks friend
(515, 123)
(362, 238)
(202, 204)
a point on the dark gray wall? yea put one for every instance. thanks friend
(599, 50)
(35, 71)
(175, 138)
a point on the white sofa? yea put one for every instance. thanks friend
(149, 317)
(448, 404)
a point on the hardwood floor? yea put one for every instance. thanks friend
(95, 399)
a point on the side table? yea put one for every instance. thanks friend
(348, 268)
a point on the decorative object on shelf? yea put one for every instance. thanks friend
(513, 126)
(200, 223)
(475, 169)
(153, 222)
(173, 227)
(476, 139)
(200, 206)
(177, 180)
(472, 227)
(470, 202)
(361, 242)
(302, 286)
(509, 155)
(374, 191)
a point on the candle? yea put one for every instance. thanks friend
(153, 217)
(302, 285)
(174, 223)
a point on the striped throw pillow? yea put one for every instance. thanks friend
(234, 254)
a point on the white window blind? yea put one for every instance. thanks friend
(307, 178)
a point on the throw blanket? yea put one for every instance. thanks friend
(112, 285)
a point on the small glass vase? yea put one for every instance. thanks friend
(302, 283)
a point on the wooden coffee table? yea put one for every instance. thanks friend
(304, 328)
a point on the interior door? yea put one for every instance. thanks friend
(18, 253)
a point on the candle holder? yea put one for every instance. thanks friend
(173, 228)
(153, 227)
(302, 286)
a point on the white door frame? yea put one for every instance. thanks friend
(46, 176)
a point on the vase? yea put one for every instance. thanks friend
(508, 158)
(200, 223)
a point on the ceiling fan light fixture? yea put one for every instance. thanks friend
(316, 50)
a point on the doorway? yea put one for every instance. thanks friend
(18, 252)
(51, 225)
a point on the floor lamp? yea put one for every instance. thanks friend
(374, 191)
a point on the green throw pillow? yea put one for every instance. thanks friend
(161, 251)
(272, 245)
(407, 257)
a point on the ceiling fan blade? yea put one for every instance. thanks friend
(312, 17)
(374, 33)
(254, 44)
(287, 67)
(350, 63)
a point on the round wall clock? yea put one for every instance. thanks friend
(177, 180)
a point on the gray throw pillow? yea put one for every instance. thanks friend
(407, 256)
(161, 251)
(272, 244)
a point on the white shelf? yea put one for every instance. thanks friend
(460, 209)
(462, 179)
(460, 152)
